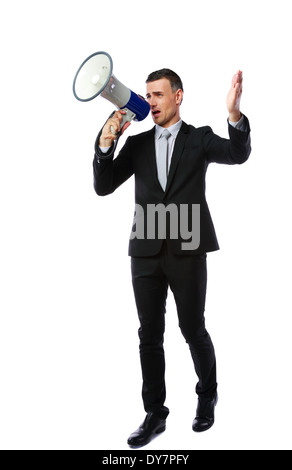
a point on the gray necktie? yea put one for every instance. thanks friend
(162, 161)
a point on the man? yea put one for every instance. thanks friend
(170, 173)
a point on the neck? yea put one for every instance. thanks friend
(172, 122)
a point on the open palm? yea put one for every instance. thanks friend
(234, 96)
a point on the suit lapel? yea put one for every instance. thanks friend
(177, 153)
(150, 150)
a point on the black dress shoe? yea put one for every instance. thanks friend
(204, 419)
(151, 426)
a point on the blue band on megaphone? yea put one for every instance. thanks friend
(138, 106)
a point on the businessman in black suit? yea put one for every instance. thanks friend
(170, 199)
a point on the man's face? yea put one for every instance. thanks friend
(164, 103)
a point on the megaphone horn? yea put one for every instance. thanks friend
(94, 77)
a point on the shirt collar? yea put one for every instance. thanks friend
(174, 129)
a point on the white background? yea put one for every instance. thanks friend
(69, 365)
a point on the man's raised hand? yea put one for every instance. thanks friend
(234, 97)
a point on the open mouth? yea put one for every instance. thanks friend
(155, 113)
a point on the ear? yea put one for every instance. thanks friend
(179, 96)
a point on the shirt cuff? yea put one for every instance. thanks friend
(104, 149)
(240, 125)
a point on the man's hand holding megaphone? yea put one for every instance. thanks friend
(112, 128)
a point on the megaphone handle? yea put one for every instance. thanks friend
(129, 116)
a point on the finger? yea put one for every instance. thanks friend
(236, 89)
(119, 114)
(118, 117)
(238, 92)
(125, 126)
(111, 128)
(240, 78)
(237, 78)
(114, 125)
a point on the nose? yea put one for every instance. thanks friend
(152, 101)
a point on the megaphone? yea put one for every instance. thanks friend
(94, 77)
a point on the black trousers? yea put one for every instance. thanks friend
(187, 278)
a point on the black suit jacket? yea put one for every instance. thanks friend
(194, 149)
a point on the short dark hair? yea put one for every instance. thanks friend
(175, 81)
